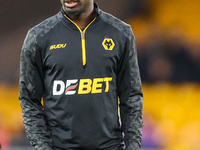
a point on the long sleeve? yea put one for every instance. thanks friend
(130, 95)
(31, 91)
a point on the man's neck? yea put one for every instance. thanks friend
(83, 19)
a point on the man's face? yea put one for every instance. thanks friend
(76, 7)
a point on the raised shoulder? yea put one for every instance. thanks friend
(117, 23)
(38, 31)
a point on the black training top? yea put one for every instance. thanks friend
(81, 74)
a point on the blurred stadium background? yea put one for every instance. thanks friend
(167, 35)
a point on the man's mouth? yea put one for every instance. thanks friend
(71, 3)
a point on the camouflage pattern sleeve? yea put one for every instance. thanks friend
(130, 94)
(31, 91)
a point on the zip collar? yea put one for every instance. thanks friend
(82, 38)
(67, 19)
(82, 32)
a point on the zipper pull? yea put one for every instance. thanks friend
(83, 35)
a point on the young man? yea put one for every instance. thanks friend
(81, 61)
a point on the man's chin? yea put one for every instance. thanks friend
(72, 13)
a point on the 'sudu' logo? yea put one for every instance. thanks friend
(85, 86)
(58, 46)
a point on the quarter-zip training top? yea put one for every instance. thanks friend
(81, 74)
